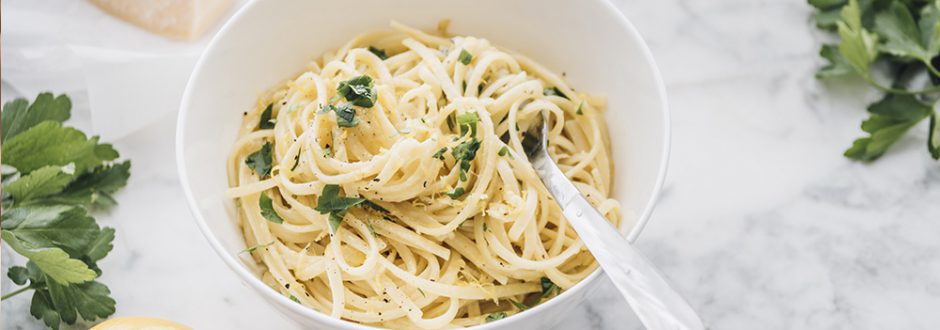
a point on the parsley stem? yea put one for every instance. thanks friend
(931, 68)
(11, 294)
(892, 90)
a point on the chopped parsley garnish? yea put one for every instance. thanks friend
(456, 193)
(345, 115)
(296, 161)
(327, 151)
(374, 206)
(422, 292)
(260, 161)
(518, 305)
(548, 287)
(450, 122)
(256, 247)
(579, 108)
(330, 202)
(359, 91)
(468, 122)
(485, 227)
(464, 154)
(266, 122)
(465, 57)
(371, 229)
(440, 153)
(553, 91)
(295, 299)
(378, 52)
(267, 209)
(505, 151)
(496, 316)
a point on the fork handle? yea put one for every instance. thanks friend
(656, 303)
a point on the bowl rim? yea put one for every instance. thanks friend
(253, 281)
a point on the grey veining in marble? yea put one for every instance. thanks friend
(763, 224)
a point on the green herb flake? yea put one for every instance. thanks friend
(578, 111)
(329, 202)
(378, 52)
(553, 91)
(254, 248)
(465, 57)
(519, 305)
(495, 316)
(266, 121)
(456, 193)
(422, 292)
(267, 209)
(468, 122)
(548, 287)
(504, 151)
(359, 91)
(371, 228)
(261, 161)
(345, 115)
(440, 153)
(296, 161)
(295, 299)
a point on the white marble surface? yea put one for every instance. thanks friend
(763, 224)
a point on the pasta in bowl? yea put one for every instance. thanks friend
(388, 183)
(451, 258)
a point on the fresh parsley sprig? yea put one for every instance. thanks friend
(902, 36)
(52, 176)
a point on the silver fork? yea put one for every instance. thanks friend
(656, 304)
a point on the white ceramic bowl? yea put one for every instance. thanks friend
(268, 41)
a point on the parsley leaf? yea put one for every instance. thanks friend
(857, 46)
(19, 115)
(54, 262)
(359, 91)
(330, 202)
(837, 66)
(46, 180)
(267, 209)
(18, 274)
(266, 122)
(554, 91)
(495, 316)
(52, 175)
(465, 57)
(94, 189)
(345, 115)
(890, 119)
(378, 52)
(260, 161)
(900, 32)
(49, 143)
(518, 305)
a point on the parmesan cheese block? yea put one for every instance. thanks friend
(178, 19)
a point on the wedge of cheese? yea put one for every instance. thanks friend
(177, 19)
